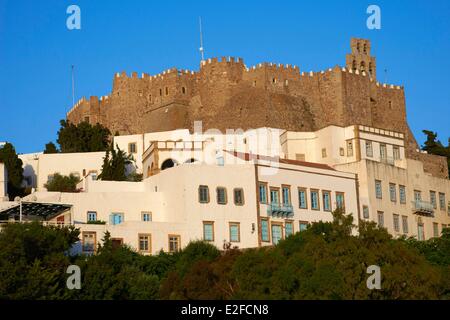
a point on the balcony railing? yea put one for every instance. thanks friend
(423, 208)
(280, 210)
(388, 160)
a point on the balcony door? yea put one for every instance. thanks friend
(274, 196)
(277, 233)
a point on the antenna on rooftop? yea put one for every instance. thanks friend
(201, 39)
(73, 88)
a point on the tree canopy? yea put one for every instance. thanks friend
(50, 148)
(62, 183)
(83, 137)
(114, 165)
(326, 261)
(13, 165)
(434, 146)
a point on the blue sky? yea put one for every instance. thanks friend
(37, 50)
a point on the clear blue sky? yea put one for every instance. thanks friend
(37, 50)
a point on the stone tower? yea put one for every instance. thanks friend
(360, 58)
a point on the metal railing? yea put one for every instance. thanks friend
(423, 207)
(280, 210)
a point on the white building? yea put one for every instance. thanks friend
(249, 204)
(3, 182)
(249, 188)
(394, 191)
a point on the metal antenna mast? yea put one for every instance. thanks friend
(201, 39)
(73, 88)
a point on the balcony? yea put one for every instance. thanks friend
(280, 210)
(423, 208)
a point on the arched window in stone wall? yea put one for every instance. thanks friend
(167, 91)
(168, 163)
(354, 65)
(357, 47)
(183, 90)
(362, 66)
(365, 48)
(370, 68)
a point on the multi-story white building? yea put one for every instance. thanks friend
(393, 191)
(247, 188)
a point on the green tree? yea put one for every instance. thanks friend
(50, 148)
(114, 165)
(14, 168)
(434, 146)
(83, 137)
(61, 183)
(33, 261)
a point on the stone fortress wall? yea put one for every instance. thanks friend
(226, 94)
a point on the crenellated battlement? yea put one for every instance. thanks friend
(225, 93)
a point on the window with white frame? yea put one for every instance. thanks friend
(369, 149)
(92, 216)
(396, 218)
(380, 215)
(402, 191)
(378, 190)
(393, 192)
(405, 224)
(146, 216)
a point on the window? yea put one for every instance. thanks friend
(442, 201)
(92, 216)
(341, 152)
(302, 198)
(183, 90)
(145, 243)
(221, 195)
(378, 191)
(262, 192)
(288, 228)
(303, 226)
(369, 149)
(405, 224)
(417, 195)
(115, 218)
(435, 230)
(315, 200)
(396, 222)
(396, 153)
(402, 190)
(380, 215)
(265, 230)
(300, 156)
(340, 200)
(208, 231)
(89, 242)
(349, 148)
(420, 232)
(86, 119)
(167, 91)
(277, 233)
(132, 147)
(286, 195)
(274, 196)
(174, 243)
(326, 197)
(235, 234)
(383, 152)
(433, 199)
(238, 196)
(146, 216)
(365, 212)
(393, 192)
(324, 153)
(203, 194)
(160, 92)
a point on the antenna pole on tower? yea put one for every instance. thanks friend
(73, 88)
(201, 39)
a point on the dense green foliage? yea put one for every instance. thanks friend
(62, 183)
(327, 261)
(32, 261)
(83, 137)
(50, 148)
(114, 165)
(13, 165)
(434, 146)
